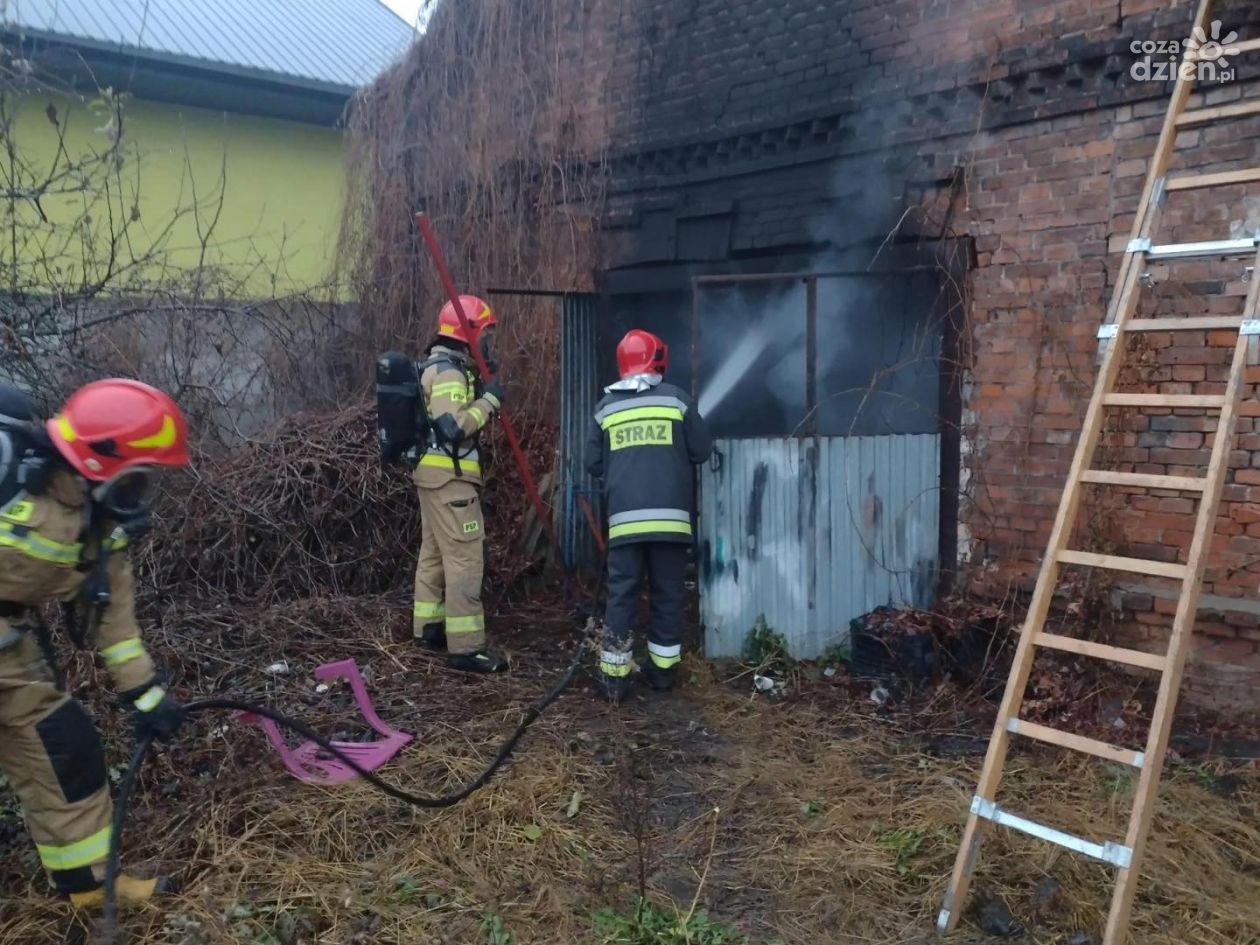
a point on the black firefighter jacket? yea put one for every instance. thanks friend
(644, 444)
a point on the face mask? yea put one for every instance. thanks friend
(484, 344)
(127, 497)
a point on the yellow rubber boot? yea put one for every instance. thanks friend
(131, 891)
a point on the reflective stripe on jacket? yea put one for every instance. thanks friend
(644, 445)
(449, 388)
(46, 553)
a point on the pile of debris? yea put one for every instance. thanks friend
(910, 649)
(307, 511)
(898, 653)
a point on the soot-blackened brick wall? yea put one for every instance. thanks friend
(743, 129)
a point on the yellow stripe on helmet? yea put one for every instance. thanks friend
(163, 438)
(64, 428)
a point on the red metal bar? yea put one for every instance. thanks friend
(593, 525)
(522, 465)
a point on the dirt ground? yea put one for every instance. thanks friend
(815, 816)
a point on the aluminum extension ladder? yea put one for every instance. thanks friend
(1127, 856)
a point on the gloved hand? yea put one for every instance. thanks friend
(154, 712)
(493, 392)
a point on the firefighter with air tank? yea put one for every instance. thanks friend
(433, 412)
(73, 493)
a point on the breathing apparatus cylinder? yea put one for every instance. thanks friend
(402, 424)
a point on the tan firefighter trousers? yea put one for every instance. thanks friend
(449, 573)
(52, 755)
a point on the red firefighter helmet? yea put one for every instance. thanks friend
(480, 315)
(641, 352)
(108, 427)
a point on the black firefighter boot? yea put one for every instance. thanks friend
(479, 662)
(614, 688)
(433, 636)
(661, 680)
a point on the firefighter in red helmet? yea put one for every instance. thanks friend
(645, 438)
(447, 611)
(73, 492)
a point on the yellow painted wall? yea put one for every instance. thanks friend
(280, 182)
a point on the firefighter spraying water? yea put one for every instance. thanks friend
(644, 439)
(736, 365)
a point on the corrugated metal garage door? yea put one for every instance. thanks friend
(812, 532)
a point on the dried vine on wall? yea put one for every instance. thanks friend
(490, 125)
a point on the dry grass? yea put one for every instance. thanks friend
(802, 821)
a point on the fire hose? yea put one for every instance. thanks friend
(127, 785)
(509, 431)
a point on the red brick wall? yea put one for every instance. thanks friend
(1049, 200)
(759, 108)
(1052, 206)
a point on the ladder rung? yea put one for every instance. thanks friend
(1197, 323)
(1199, 116)
(1166, 569)
(1211, 248)
(1235, 49)
(1104, 477)
(1101, 651)
(1164, 400)
(1090, 746)
(1195, 181)
(1114, 853)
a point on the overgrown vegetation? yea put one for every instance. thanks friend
(90, 286)
(766, 651)
(510, 171)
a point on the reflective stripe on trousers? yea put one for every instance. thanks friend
(614, 662)
(431, 610)
(124, 651)
(85, 852)
(466, 624)
(649, 522)
(665, 656)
